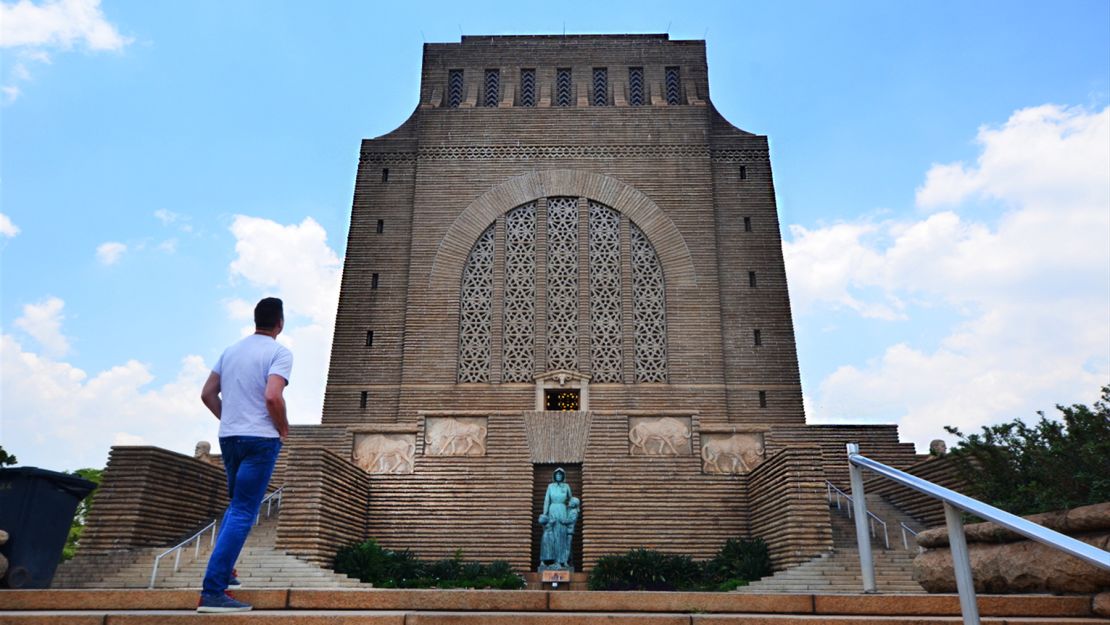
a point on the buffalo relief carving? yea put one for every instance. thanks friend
(455, 436)
(384, 453)
(659, 436)
(731, 454)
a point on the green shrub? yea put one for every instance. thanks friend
(385, 568)
(738, 562)
(1052, 465)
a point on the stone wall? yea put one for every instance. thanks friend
(928, 511)
(788, 506)
(324, 505)
(151, 497)
(878, 442)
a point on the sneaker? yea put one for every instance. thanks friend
(234, 583)
(221, 603)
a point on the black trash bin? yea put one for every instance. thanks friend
(36, 509)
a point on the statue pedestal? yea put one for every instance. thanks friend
(577, 581)
(555, 576)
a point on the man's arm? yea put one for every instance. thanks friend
(210, 394)
(275, 403)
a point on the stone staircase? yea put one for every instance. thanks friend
(839, 570)
(260, 565)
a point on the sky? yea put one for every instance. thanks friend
(942, 170)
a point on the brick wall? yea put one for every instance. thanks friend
(324, 505)
(152, 497)
(788, 507)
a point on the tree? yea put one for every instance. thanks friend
(1051, 465)
(5, 458)
(77, 527)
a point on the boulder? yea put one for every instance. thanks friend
(1100, 604)
(1022, 566)
(1092, 518)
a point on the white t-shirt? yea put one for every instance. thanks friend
(244, 369)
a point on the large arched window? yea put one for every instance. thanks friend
(546, 243)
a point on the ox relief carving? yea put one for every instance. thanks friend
(384, 453)
(455, 436)
(730, 454)
(659, 436)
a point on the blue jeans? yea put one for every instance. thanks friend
(249, 461)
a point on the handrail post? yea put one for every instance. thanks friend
(863, 537)
(961, 564)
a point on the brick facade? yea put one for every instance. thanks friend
(701, 192)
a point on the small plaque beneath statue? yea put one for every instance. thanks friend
(549, 577)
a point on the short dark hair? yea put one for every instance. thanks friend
(268, 313)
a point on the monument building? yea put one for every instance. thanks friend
(567, 258)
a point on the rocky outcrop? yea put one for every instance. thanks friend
(3, 560)
(1003, 561)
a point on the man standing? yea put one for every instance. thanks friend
(244, 391)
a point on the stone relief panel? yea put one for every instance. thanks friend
(659, 436)
(384, 453)
(455, 436)
(732, 453)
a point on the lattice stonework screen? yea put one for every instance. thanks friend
(476, 303)
(520, 294)
(518, 304)
(562, 283)
(648, 310)
(605, 293)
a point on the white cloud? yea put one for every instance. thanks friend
(11, 93)
(169, 246)
(59, 417)
(109, 253)
(1031, 286)
(58, 23)
(7, 228)
(167, 217)
(43, 321)
(295, 263)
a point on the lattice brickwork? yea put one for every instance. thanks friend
(648, 310)
(454, 88)
(605, 294)
(562, 87)
(476, 305)
(600, 95)
(636, 86)
(527, 87)
(562, 283)
(518, 359)
(674, 86)
(492, 88)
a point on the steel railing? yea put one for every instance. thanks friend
(906, 529)
(954, 503)
(268, 500)
(831, 492)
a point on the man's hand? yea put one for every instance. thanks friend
(210, 394)
(275, 404)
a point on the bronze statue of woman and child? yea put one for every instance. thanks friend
(560, 514)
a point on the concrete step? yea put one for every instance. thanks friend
(491, 607)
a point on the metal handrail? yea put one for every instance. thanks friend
(176, 549)
(872, 518)
(906, 528)
(953, 503)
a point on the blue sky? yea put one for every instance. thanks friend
(942, 170)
